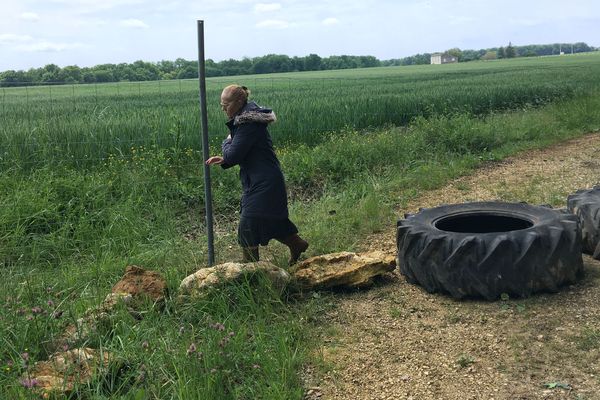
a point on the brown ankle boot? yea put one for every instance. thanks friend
(250, 254)
(297, 246)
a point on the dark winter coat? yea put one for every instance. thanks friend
(264, 194)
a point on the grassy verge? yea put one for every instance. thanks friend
(365, 176)
(66, 235)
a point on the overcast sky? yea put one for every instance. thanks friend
(88, 32)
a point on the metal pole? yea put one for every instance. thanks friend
(205, 149)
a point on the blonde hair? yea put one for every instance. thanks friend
(237, 94)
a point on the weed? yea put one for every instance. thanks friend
(396, 312)
(589, 339)
(454, 318)
(464, 360)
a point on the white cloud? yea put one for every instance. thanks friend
(28, 44)
(266, 7)
(94, 5)
(330, 21)
(30, 16)
(46, 46)
(133, 23)
(12, 39)
(273, 23)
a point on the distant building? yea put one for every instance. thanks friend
(443, 58)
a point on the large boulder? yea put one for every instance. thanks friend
(343, 269)
(62, 371)
(205, 279)
(141, 283)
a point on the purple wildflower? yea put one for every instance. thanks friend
(29, 383)
(57, 314)
(191, 349)
(218, 326)
(25, 356)
(36, 310)
(223, 342)
(145, 345)
(50, 303)
(142, 373)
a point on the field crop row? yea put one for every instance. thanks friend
(82, 125)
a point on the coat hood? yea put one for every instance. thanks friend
(252, 112)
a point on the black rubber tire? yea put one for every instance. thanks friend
(541, 256)
(586, 205)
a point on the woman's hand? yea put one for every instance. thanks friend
(216, 160)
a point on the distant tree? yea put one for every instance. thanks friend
(103, 76)
(50, 73)
(391, 62)
(188, 72)
(211, 68)
(88, 77)
(13, 78)
(166, 67)
(417, 59)
(368, 62)
(490, 55)
(297, 63)
(501, 53)
(581, 47)
(509, 52)
(312, 62)
(470, 55)
(455, 52)
(235, 67)
(33, 75)
(69, 74)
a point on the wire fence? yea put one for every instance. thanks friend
(91, 122)
(88, 164)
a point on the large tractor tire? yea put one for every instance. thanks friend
(487, 249)
(586, 205)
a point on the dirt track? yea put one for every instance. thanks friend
(395, 341)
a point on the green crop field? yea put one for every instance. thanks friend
(97, 177)
(84, 124)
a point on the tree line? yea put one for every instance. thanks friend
(271, 63)
(510, 51)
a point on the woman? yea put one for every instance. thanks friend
(264, 213)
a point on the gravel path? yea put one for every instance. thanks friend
(395, 341)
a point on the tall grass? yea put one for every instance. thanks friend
(84, 124)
